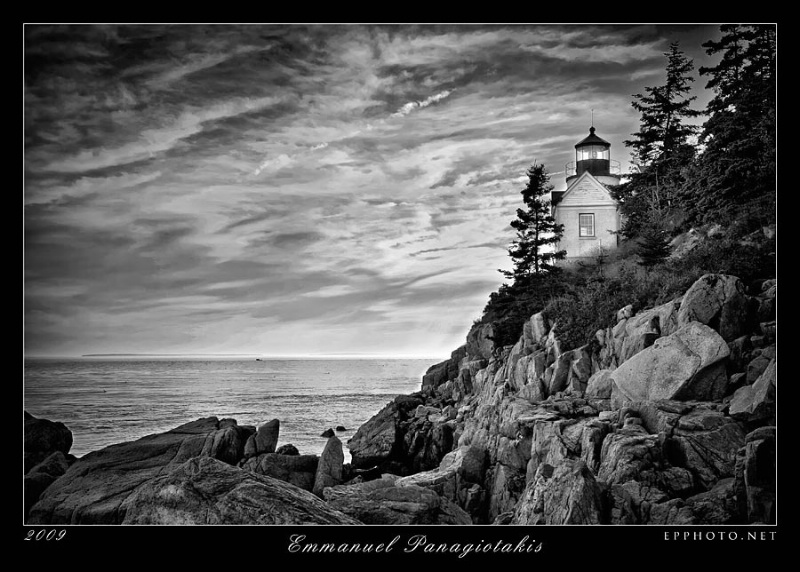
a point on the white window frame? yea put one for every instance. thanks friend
(581, 226)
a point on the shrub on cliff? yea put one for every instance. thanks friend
(588, 301)
(749, 258)
(591, 303)
(512, 304)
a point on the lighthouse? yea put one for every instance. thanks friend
(587, 210)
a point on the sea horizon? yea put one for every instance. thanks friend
(110, 399)
(333, 356)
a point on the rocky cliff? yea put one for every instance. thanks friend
(668, 417)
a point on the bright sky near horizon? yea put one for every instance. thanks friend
(300, 190)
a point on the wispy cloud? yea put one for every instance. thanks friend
(414, 105)
(328, 188)
(169, 73)
(155, 140)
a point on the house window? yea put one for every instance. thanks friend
(585, 225)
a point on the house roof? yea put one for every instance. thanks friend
(558, 196)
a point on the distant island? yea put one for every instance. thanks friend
(168, 355)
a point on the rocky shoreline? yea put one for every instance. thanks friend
(668, 417)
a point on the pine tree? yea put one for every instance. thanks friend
(662, 147)
(536, 229)
(654, 245)
(663, 131)
(734, 176)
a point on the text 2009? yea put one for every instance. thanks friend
(46, 534)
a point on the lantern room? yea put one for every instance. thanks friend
(593, 155)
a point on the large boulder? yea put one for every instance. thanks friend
(754, 403)
(600, 385)
(42, 476)
(426, 442)
(379, 441)
(504, 487)
(593, 433)
(95, 486)
(755, 481)
(715, 506)
(688, 364)
(628, 453)
(705, 442)
(672, 512)
(228, 442)
(287, 449)
(766, 301)
(42, 438)
(718, 300)
(382, 502)
(458, 478)
(436, 375)
(548, 445)
(660, 416)
(480, 342)
(539, 328)
(566, 494)
(266, 439)
(694, 436)
(299, 470)
(329, 469)
(207, 491)
(444, 371)
(632, 334)
(376, 440)
(580, 371)
(758, 364)
(466, 464)
(560, 373)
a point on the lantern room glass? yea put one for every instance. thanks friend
(592, 152)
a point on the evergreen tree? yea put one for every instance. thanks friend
(663, 132)
(662, 147)
(654, 244)
(536, 230)
(734, 176)
(534, 276)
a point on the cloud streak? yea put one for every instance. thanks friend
(414, 105)
(298, 189)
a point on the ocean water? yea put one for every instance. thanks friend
(104, 401)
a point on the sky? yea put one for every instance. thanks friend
(300, 190)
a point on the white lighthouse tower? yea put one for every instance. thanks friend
(587, 210)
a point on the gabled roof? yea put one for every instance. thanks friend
(559, 196)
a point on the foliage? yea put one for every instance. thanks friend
(750, 259)
(664, 109)
(533, 278)
(536, 230)
(653, 243)
(662, 148)
(590, 301)
(734, 177)
(513, 304)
